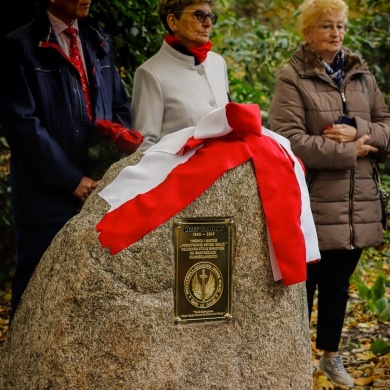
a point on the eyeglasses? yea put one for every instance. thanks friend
(328, 27)
(202, 16)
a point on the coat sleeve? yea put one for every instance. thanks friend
(288, 117)
(379, 125)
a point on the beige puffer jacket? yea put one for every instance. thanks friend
(344, 195)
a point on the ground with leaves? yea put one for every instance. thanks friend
(362, 329)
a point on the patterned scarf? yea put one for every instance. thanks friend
(336, 69)
(199, 53)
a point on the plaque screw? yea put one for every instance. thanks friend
(228, 316)
(177, 320)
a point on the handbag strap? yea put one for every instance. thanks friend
(375, 168)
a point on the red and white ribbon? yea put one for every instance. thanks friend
(174, 172)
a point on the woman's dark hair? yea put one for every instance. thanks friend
(166, 7)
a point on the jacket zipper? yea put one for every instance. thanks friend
(351, 187)
(344, 101)
(350, 207)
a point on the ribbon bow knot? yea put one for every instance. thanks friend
(241, 120)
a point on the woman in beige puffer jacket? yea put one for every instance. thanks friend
(344, 195)
(323, 81)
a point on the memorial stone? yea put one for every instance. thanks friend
(90, 320)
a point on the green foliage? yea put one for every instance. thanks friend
(375, 295)
(374, 260)
(380, 347)
(375, 298)
(135, 31)
(368, 35)
(273, 13)
(254, 57)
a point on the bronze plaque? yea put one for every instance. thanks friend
(203, 269)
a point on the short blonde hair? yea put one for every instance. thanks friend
(166, 7)
(311, 11)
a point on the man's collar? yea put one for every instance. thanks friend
(59, 25)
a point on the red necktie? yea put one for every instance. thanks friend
(75, 59)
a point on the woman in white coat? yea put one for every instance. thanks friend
(184, 80)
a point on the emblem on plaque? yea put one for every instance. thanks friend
(203, 285)
(203, 268)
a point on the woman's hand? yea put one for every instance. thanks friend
(361, 149)
(345, 133)
(340, 133)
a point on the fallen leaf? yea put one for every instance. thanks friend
(363, 381)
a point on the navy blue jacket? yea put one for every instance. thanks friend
(44, 118)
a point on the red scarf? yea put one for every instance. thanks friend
(199, 52)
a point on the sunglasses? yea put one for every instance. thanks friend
(202, 16)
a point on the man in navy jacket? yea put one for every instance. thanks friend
(46, 123)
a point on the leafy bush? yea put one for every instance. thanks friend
(368, 35)
(135, 30)
(254, 57)
(375, 297)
